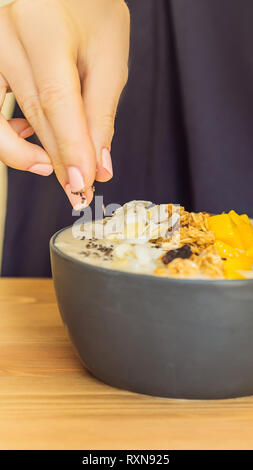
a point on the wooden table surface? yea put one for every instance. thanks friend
(48, 400)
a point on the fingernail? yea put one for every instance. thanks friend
(75, 200)
(42, 169)
(75, 179)
(26, 132)
(107, 161)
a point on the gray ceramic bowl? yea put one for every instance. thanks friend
(164, 337)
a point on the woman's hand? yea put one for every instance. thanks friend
(66, 63)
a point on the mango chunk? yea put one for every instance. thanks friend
(233, 266)
(225, 229)
(232, 274)
(245, 218)
(236, 218)
(241, 263)
(227, 251)
(250, 252)
(246, 234)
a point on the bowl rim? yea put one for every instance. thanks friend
(151, 277)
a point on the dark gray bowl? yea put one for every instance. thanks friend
(165, 337)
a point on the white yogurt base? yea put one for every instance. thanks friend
(119, 255)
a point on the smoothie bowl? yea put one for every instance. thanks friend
(159, 301)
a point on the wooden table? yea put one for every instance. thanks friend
(48, 401)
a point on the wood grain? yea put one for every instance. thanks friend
(48, 401)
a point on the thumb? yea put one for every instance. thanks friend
(21, 127)
(20, 154)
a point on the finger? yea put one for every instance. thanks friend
(58, 87)
(100, 103)
(21, 127)
(17, 153)
(105, 80)
(101, 97)
(79, 200)
(28, 100)
(27, 97)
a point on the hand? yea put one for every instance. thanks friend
(66, 63)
